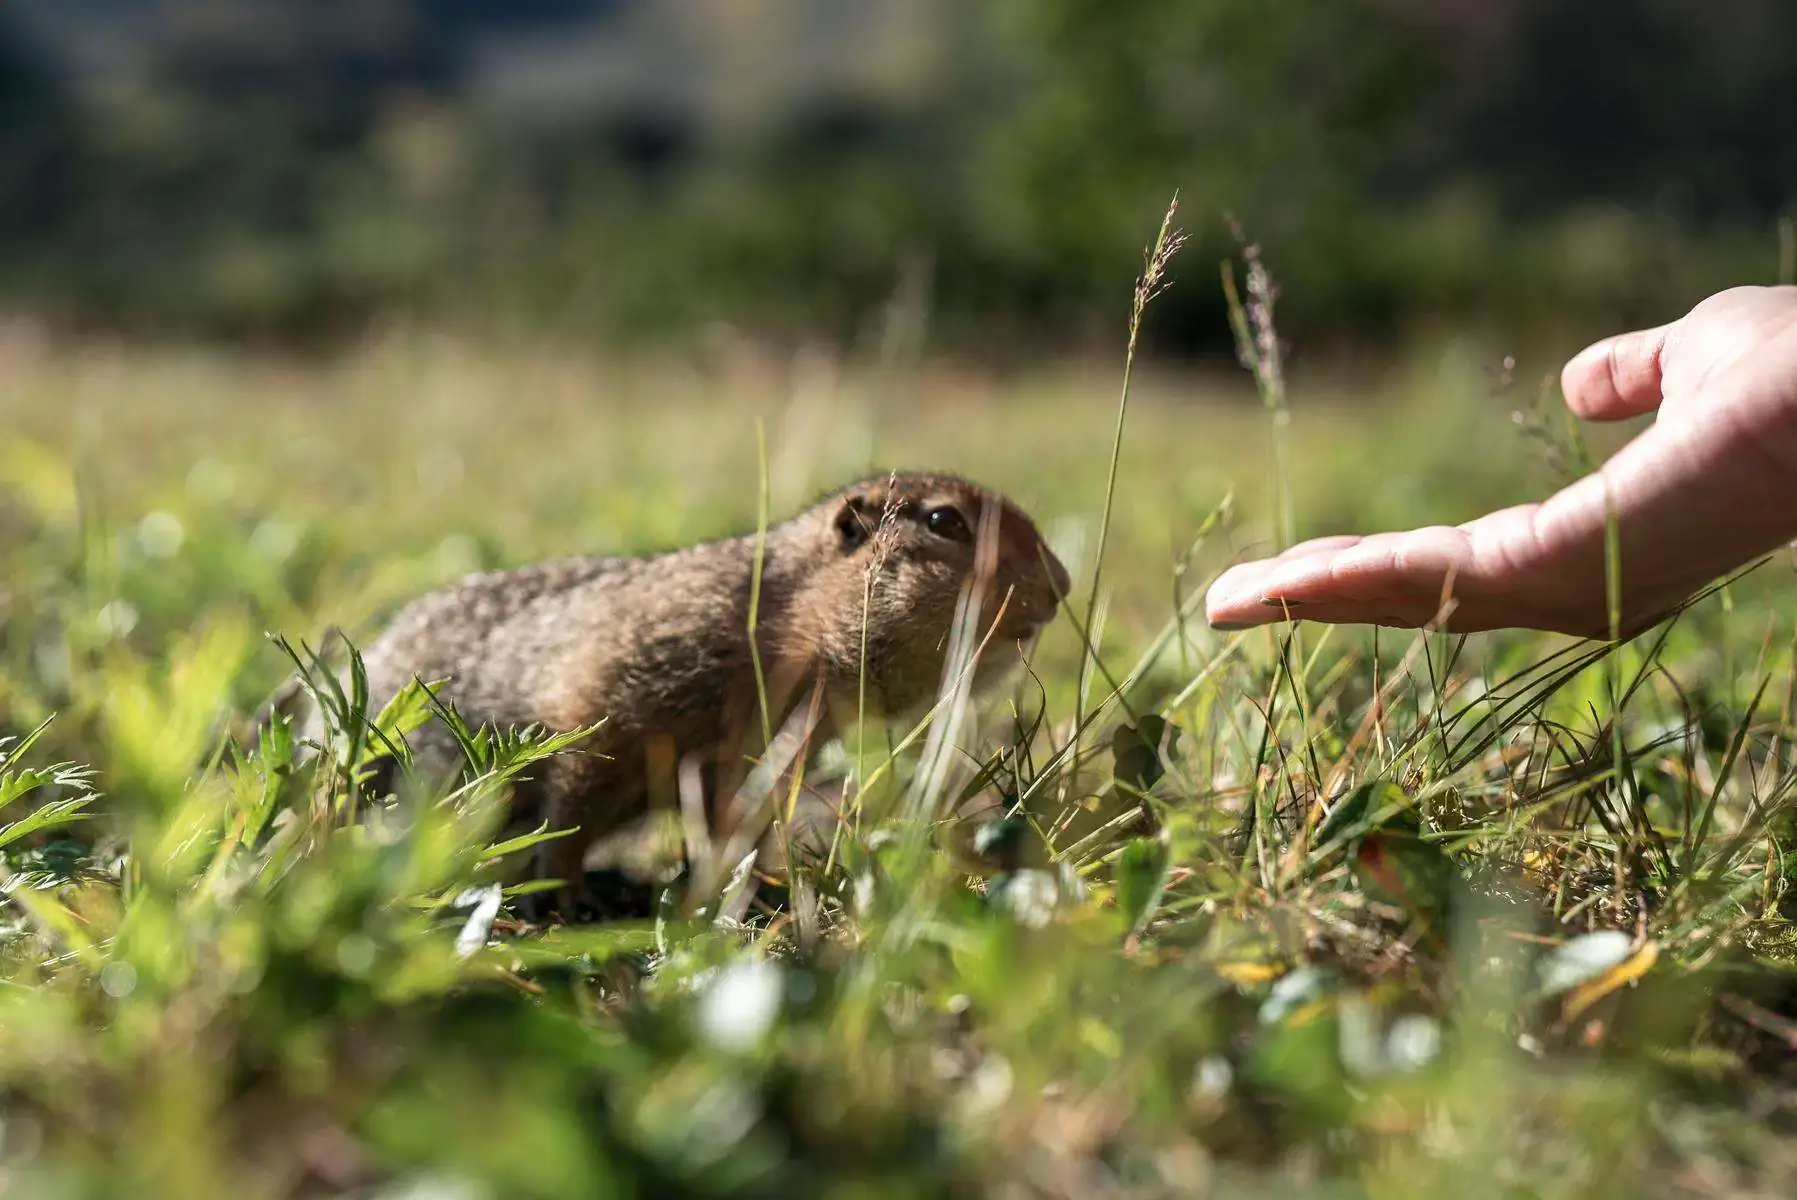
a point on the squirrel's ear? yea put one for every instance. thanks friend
(852, 525)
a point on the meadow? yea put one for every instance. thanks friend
(1280, 913)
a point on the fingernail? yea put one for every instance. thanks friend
(1231, 626)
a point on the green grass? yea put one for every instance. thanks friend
(1406, 914)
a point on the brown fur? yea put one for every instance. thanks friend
(658, 648)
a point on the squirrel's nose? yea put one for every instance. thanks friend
(1051, 585)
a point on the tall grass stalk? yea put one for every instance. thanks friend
(1152, 281)
(1258, 347)
(761, 524)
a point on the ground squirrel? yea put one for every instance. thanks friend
(658, 648)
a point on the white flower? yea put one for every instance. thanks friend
(740, 1003)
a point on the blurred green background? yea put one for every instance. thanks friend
(618, 170)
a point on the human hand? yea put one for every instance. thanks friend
(1708, 487)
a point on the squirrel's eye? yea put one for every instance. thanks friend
(949, 523)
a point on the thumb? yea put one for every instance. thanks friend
(1616, 378)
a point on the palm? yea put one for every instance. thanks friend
(1703, 490)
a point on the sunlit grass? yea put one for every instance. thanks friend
(1342, 914)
